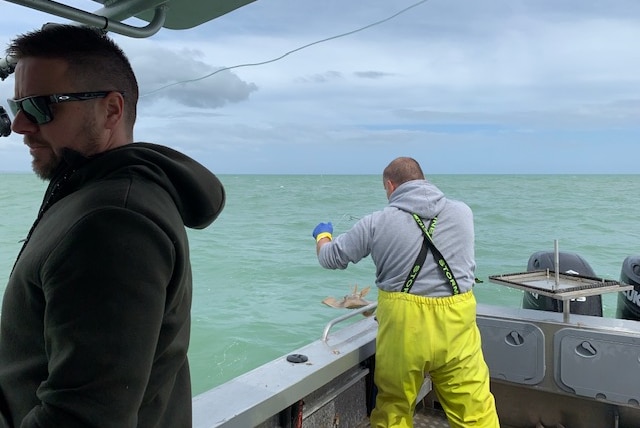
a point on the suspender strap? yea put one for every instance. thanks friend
(415, 270)
(442, 263)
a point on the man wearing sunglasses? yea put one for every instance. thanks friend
(95, 319)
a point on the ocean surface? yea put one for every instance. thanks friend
(258, 286)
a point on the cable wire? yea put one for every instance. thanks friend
(291, 51)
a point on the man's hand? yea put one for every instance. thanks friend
(323, 230)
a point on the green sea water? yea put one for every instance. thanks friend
(258, 286)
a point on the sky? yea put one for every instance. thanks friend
(345, 86)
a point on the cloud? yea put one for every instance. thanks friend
(497, 85)
(372, 74)
(181, 75)
(327, 76)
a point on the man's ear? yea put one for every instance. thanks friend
(389, 187)
(114, 109)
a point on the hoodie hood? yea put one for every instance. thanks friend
(418, 196)
(196, 191)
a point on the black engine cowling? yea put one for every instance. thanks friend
(590, 305)
(629, 301)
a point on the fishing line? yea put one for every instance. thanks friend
(346, 217)
(291, 51)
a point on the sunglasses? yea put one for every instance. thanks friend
(37, 108)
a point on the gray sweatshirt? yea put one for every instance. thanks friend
(393, 238)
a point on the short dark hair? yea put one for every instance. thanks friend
(403, 169)
(95, 62)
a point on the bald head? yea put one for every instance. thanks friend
(401, 170)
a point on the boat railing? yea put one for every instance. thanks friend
(321, 368)
(365, 309)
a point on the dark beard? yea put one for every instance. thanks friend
(46, 171)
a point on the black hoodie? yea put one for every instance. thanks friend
(96, 315)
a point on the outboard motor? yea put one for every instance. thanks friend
(568, 263)
(629, 301)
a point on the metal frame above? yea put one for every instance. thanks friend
(108, 18)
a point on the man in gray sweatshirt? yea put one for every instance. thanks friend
(426, 307)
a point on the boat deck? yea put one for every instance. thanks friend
(424, 418)
(430, 418)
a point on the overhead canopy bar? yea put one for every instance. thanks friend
(173, 14)
(108, 18)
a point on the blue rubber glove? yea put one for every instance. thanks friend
(323, 230)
